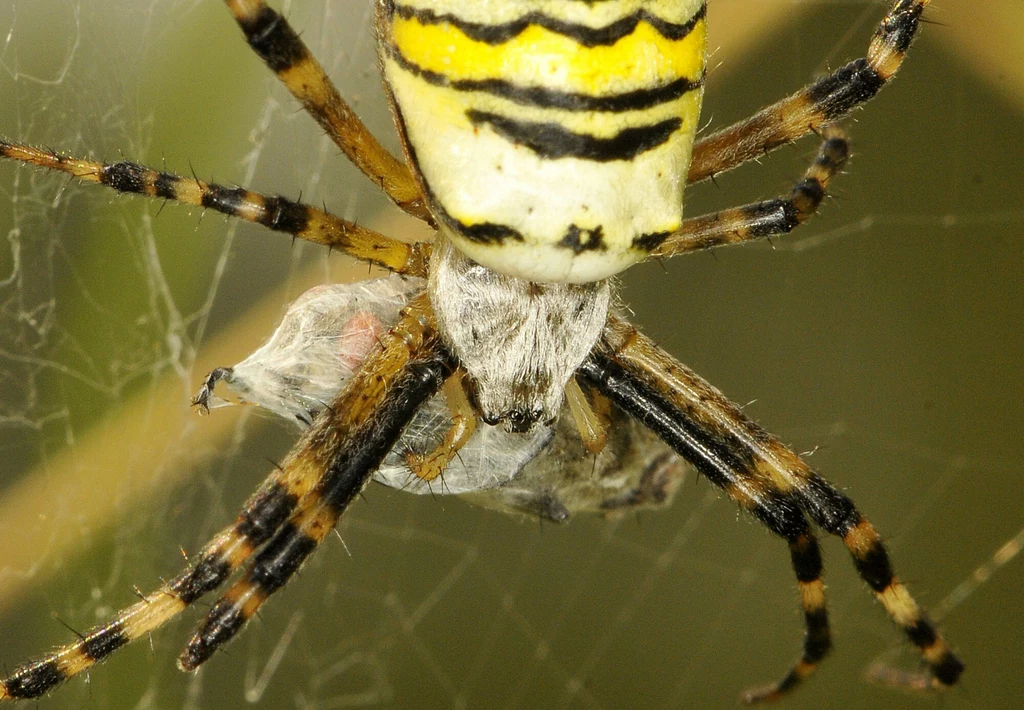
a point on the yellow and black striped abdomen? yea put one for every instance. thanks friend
(552, 137)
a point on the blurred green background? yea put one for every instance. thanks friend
(885, 336)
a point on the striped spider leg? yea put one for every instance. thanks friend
(362, 425)
(815, 106)
(813, 109)
(772, 483)
(274, 212)
(290, 514)
(284, 52)
(768, 218)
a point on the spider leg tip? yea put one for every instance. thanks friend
(760, 695)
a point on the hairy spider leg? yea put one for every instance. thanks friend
(592, 425)
(341, 449)
(264, 512)
(768, 218)
(825, 101)
(366, 420)
(277, 213)
(432, 464)
(284, 53)
(724, 467)
(882, 673)
(757, 471)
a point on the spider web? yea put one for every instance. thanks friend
(885, 337)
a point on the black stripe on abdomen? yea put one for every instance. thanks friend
(581, 34)
(552, 140)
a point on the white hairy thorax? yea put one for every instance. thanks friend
(520, 341)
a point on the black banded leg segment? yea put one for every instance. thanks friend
(285, 54)
(726, 464)
(768, 479)
(768, 218)
(262, 515)
(346, 444)
(277, 213)
(835, 513)
(805, 555)
(812, 108)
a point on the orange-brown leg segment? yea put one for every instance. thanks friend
(346, 447)
(276, 213)
(769, 218)
(280, 47)
(432, 464)
(592, 428)
(767, 479)
(815, 106)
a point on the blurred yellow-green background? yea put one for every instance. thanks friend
(885, 336)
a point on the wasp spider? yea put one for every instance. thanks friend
(548, 142)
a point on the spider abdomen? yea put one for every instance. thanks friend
(551, 138)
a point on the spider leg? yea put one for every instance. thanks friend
(264, 512)
(432, 464)
(284, 53)
(825, 101)
(274, 212)
(768, 218)
(411, 366)
(345, 448)
(593, 429)
(767, 479)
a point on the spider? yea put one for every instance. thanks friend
(548, 144)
